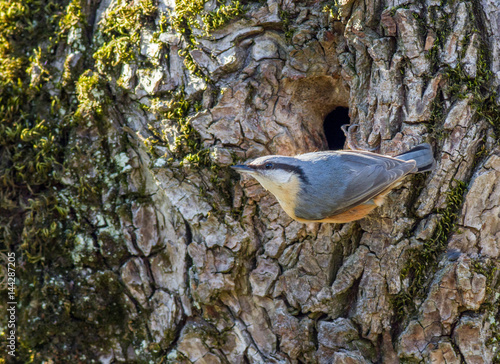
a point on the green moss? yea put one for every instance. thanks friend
(393, 10)
(186, 15)
(285, 23)
(32, 141)
(73, 18)
(190, 15)
(422, 263)
(437, 117)
(487, 269)
(68, 307)
(120, 33)
(174, 109)
(422, 24)
(91, 96)
(60, 206)
(494, 341)
(220, 17)
(333, 9)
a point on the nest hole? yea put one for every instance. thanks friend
(332, 127)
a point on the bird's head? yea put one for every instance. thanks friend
(278, 174)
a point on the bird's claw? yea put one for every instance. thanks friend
(347, 129)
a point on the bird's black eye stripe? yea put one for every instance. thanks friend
(283, 166)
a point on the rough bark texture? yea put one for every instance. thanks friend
(136, 243)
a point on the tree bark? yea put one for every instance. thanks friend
(142, 245)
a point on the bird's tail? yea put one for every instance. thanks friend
(422, 154)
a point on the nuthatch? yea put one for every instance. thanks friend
(335, 186)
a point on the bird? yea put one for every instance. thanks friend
(335, 186)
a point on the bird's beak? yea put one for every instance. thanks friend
(241, 168)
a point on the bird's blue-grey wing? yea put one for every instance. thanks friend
(356, 178)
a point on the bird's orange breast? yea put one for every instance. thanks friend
(353, 214)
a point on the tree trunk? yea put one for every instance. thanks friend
(135, 241)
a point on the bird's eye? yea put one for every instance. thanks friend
(268, 166)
